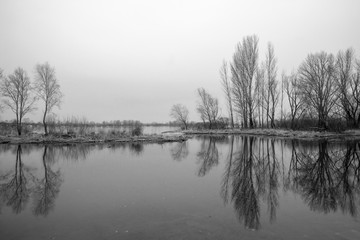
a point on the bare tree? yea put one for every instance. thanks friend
(180, 113)
(348, 80)
(318, 85)
(239, 99)
(296, 102)
(272, 91)
(17, 90)
(47, 88)
(1, 79)
(208, 107)
(261, 94)
(226, 84)
(282, 98)
(243, 69)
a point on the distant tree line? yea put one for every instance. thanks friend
(323, 93)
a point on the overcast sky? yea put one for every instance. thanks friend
(135, 59)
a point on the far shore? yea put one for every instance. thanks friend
(179, 136)
(280, 133)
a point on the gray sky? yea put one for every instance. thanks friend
(135, 59)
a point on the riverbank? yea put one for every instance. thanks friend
(280, 133)
(178, 136)
(71, 139)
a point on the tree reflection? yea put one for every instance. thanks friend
(349, 179)
(316, 179)
(251, 174)
(326, 175)
(16, 191)
(47, 188)
(328, 178)
(244, 194)
(136, 148)
(74, 152)
(19, 185)
(227, 174)
(179, 151)
(272, 181)
(208, 156)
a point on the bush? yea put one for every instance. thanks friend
(137, 130)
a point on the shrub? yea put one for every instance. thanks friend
(137, 130)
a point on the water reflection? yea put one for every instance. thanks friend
(21, 184)
(73, 152)
(328, 179)
(47, 188)
(135, 148)
(15, 186)
(179, 151)
(208, 156)
(325, 175)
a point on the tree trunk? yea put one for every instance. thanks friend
(231, 116)
(293, 122)
(44, 121)
(251, 122)
(322, 125)
(19, 127)
(267, 116)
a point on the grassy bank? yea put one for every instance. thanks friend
(70, 139)
(280, 133)
(34, 138)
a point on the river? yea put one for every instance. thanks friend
(231, 187)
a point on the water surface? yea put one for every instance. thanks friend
(205, 188)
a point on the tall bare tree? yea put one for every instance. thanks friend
(243, 69)
(180, 113)
(226, 84)
(1, 79)
(282, 98)
(261, 94)
(272, 91)
(17, 90)
(348, 80)
(47, 88)
(318, 85)
(296, 102)
(208, 107)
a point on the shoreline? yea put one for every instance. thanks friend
(41, 139)
(180, 136)
(280, 133)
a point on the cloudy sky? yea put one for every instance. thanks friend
(135, 59)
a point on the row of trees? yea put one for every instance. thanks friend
(20, 94)
(324, 87)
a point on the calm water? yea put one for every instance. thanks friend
(205, 188)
